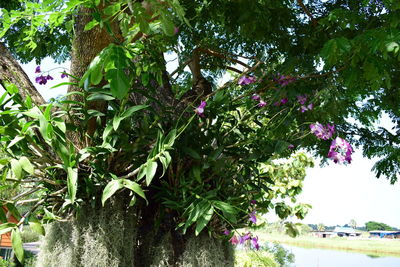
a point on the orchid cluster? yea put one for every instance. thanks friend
(243, 239)
(246, 80)
(283, 101)
(340, 150)
(321, 131)
(42, 79)
(304, 107)
(261, 103)
(283, 80)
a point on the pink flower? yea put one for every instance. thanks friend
(200, 109)
(234, 240)
(244, 80)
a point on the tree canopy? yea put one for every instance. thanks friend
(310, 75)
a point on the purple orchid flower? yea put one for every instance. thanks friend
(261, 104)
(176, 30)
(290, 146)
(42, 80)
(301, 99)
(37, 70)
(227, 232)
(200, 109)
(256, 97)
(64, 75)
(253, 202)
(254, 242)
(340, 151)
(321, 131)
(48, 77)
(245, 80)
(252, 217)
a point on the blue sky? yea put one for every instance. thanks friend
(338, 193)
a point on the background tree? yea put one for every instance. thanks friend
(353, 224)
(371, 226)
(321, 227)
(155, 159)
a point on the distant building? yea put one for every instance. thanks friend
(345, 231)
(385, 234)
(323, 234)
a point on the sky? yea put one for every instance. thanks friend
(338, 193)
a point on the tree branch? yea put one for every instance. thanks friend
(11, 71)
(308, 13)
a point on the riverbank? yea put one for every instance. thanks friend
(375, 247)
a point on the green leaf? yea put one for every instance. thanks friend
(135, 187)
(131, 110)
(107, 131)
(150, 171)
(167, 26)
(192, 153)
(116, 121)
(3, 217)
(91, 25)
(119, 83)
(6, 227)
(26, 165)
(15, 140)
(103, 97)
(170, 139)
(223, 206)
(72, 183)
(37, 227)
(16, 241)
(14, 211)
(110, 189)
(16, 168)
(96, 74)
(33, 113)
(203, 221)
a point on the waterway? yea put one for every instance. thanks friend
(313, 257)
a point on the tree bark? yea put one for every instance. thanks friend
(11, 72)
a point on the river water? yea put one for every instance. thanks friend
(313, 257)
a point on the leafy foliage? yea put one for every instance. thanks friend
(208, 169)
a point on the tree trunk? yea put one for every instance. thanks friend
(120, 236)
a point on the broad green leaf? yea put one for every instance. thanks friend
(91, 25)
(110, 189)
(119, 83)
(47, 112)
(96, 74)
(223, 206)
(150, 171)
(72, 183)
(135, 187)
(16, 168)
(26, 165)
(167, 26)
(16, 241)
(203, 221)
(131, 110)
(33, 113)
(116, 121)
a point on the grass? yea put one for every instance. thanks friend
(375, 247)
